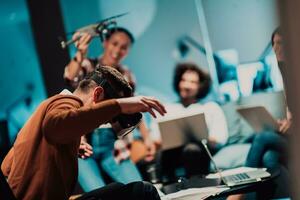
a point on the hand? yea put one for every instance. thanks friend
(151, 149)
(85, 149)
(82, 44)
(284, 125)
(141, 104)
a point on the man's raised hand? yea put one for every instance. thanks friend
(141, 104)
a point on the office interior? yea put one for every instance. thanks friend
(229, 39)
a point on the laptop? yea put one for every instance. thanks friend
(252, 176)
(259, 118)
(245, 177)
(181, 129)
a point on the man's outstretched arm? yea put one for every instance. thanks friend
(64, 123)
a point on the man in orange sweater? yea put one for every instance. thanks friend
(42, 163)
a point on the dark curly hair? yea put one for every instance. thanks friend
(114, 30)
(205, 80)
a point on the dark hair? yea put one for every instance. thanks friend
(205, 81)
(106, 75)
(86, 84)
(114, 30)
(276, 31)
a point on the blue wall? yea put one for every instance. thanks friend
(19, 68)
(244, 25)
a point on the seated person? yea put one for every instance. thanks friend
(267, 149)
(42, 164)
(271, 147)
(116, 46)
(192, 84)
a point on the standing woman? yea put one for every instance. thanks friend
(110, 154)
(116, 47)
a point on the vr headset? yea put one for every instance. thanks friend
(122, 124)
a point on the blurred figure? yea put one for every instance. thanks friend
(116, 45)
(191, 85)
(268, 148)
(111, 154)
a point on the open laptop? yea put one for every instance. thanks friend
(259, 118)
(238, 178)
(181, 129)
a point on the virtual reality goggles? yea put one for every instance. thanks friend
(122, 124)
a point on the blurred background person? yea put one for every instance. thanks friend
(192, 84)
(269, 149)
(116, 45)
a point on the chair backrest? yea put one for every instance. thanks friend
(5, 191)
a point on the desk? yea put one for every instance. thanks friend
(264, 188)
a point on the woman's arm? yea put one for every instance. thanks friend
(75, 65)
